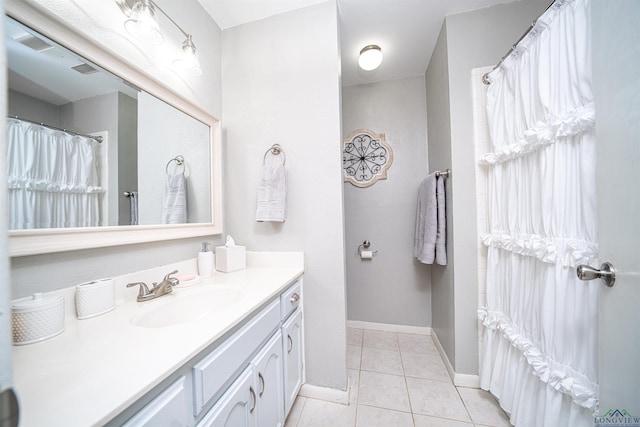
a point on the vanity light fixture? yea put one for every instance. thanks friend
(142, 24)
(370, 57)
(187, 61)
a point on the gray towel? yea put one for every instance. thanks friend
(424, 248)
(441, 233)
(174, 206)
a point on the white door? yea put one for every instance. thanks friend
(292, 351)
(269, 382)
(616, 67)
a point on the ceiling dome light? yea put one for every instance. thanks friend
(187, 62)
(142, 23)
(370, 57)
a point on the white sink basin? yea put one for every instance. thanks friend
(182, 306)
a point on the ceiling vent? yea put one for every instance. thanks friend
(84, 69)
(34, 43)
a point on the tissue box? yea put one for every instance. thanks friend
(230, 258)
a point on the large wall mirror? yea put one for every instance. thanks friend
(99, 155)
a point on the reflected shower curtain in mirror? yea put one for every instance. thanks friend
(539, 348)
(52, 177)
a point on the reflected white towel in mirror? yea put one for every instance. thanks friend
(174, 206)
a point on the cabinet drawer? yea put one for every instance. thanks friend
(167, 409)
(216, 369)
(290, 299)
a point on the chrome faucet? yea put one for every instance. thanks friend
(159, 289)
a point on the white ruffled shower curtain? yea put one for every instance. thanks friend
(52, 177)
(539, 355)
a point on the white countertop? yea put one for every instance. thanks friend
(99, 366)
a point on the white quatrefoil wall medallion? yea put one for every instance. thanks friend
(366, 157)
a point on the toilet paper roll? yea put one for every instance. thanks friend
(366, 254)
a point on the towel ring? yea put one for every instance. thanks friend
(179, 162)
(276, 150)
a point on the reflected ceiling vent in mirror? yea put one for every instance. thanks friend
(143, 25)
(34, 43)
(84, 69)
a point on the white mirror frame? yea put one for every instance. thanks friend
(41, 241)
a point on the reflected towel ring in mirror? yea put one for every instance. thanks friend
(275, 149)
(179, 162)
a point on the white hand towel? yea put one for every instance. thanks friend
(272, 193)
(174, 206)
(441, 234)
(424, 248)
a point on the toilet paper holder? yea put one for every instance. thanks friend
(366, 245)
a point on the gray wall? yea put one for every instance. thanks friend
(473, 39)
(55, 271)
(393, 287)
(281, 85)
(165, 133)
(439, 133)
(30, 108)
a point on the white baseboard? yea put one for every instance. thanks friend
(404, 329)
(459, 380)
(325, 393)
(466, 380)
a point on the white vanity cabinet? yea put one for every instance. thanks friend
(250, 378)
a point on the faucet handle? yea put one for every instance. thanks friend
(173, 280)
(143, 290)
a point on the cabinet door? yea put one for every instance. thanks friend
(236, 407)
(268, 377)
(169, 408)
(292, 351)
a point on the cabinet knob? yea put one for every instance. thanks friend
(294, 298)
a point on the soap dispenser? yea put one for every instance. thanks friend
(205, 260)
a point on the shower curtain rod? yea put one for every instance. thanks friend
(96, 138)
(485, 79)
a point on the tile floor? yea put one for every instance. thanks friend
(398, 380)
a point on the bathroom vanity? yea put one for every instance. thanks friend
(171, 361)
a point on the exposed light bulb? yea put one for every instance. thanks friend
(187, 61)
(142, 23)
(370, 57)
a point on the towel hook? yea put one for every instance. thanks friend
(445, 173)
(275, 149)
(179, 159)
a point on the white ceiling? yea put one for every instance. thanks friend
(406, 30)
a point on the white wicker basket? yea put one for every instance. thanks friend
(37, 319)
(95, 298)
